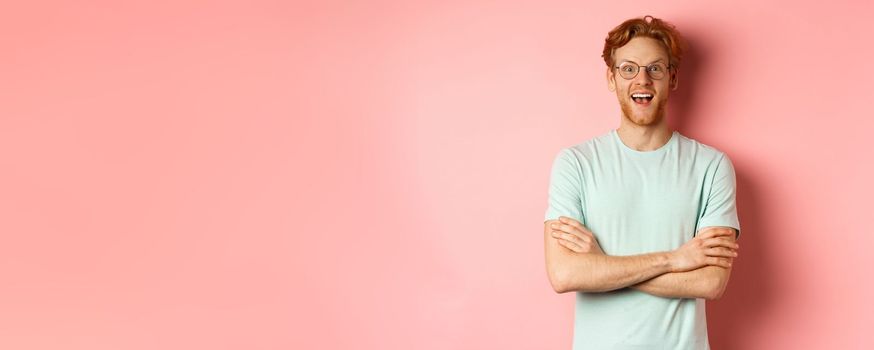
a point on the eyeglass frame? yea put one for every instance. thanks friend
(668, 67)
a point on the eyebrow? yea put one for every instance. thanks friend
(660, 59)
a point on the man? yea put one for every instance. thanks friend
(641, 221)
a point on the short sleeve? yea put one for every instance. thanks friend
(720, 209)
(565, 188)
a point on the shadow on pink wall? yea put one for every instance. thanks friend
(733, 319)
(736, 316)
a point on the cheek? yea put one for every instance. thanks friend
(664, 91)
(621, 90)
(620, 96)
(664, 95)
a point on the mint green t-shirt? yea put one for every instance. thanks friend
(638, 202)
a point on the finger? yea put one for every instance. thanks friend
(570, 245)
(567, 219)
(557, 226)
(721, 252)
(570, 221)
(705, 234)
(570, 237)
(715, 232)
(570, 229)
(574, 224)
(560, 227)
(720, 242)
(582, 241)
(723, 262)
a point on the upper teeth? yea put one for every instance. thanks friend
(641, 95)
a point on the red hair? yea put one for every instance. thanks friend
(649, 27)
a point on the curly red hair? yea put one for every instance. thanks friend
(648, 26)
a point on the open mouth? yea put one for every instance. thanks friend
(642, 98)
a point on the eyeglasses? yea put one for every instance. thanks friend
(656, 71)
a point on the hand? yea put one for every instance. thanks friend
(714, 246)
(572, 235)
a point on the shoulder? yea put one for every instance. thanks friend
(700, 151)
(589, 149)
(711, 161)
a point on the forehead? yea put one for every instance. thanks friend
(640, 50)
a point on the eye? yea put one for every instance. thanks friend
(656, 68)
(626, 68)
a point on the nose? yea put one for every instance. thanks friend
(643, 77)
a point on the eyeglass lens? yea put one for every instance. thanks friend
(629, 70)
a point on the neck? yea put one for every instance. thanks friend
(644, 137)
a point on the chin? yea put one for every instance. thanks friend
(641, 118)
(646, 120)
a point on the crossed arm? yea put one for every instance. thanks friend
(698, 269)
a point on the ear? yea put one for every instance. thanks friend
(675, 82)
(611, 83)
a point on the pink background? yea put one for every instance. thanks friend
(326, 175)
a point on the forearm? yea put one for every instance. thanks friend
(707, 282)
(575, 262)
(601, 273)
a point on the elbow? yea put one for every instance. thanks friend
(715, 289)
(711, 295)
(565, 280)
(559, 289)
(559, 284)
(560, 280)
